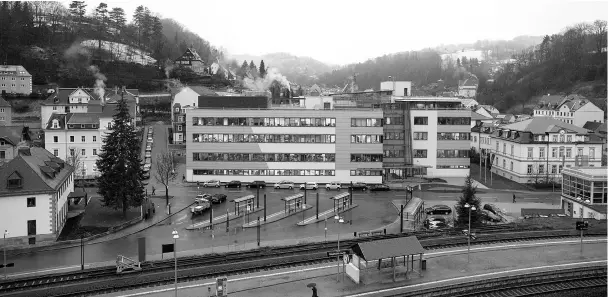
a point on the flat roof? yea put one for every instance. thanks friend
(292, 197)
(244, 198)
(340, 196)
(388, 248)
(588, 172)
(427, 98)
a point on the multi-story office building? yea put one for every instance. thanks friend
(14, 79)
(426, 136)
(538, 149)
(284, 144)
(584, 192)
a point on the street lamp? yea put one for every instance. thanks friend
(471, 208)
(340, 220)
(4, 248)
(175, 238)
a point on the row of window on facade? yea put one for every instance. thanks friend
(73, 138)
(561, 138)
(443, 136)
(575, 187)
(554, 113)
(266, 172)
(83, 152)
(556, 152)
(265, 122)
(262, 138)
(263, 157)
(12, 85)
(12, 78)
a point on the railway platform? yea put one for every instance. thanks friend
(444, 267)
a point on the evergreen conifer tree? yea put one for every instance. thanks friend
(262, 69)
(468, 196)
(120, 183)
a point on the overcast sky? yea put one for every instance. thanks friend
(340, 32)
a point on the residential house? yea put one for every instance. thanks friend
(600, 130)
(469, 102)
(6, 113)
(34, 191)
(477, 119)
(538, 149)
(11, 138)
(585, 192)
(481, 137)
(183, 99)
(572, 109)
(78, 136)
(505, 118)
(315, 91)
(191, 59)
(467, 88)
(14, 79)
(487, 110)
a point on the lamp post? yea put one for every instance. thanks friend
(325, 229)
(471, 208)
(4, 248)
(340, 220)
(175, 238)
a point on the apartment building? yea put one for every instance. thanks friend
(426, 136)
(273, 144)
(6, 113)
(481, 137)
(182, 99)
(539, 148)
(14, 79)
(34, 196)
(572, 109)
(585, 192)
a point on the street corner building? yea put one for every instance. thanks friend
(34, 190)
(274, 144)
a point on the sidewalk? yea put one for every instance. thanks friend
(443, 267)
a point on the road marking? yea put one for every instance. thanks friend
(378, 291)
(474, 276)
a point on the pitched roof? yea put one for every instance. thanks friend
(61, 118)
(4, 103)
(542, 125)
(472, 81)
(83, 118)
(593, 126)
(478, 117)
(39, 170)
(388, 248)
(12, 134)
(551, 99)
(190, 55)
(18, 69)
(62, 95)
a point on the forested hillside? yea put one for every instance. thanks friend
(46, 36)
(571, 62)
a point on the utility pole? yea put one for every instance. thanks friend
(317, 205)
(258, 231)
(264, 207)
(401, 221)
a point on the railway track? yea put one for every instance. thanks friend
(531, 284)
(209, 266)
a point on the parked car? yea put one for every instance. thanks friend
(257, 184)
(438, 210)
(148, 161)
(333, 186)
(148, 155)
(148, 148)
(218, 198)
(150, 140)
(211, 183)
(437, 225)
(381, 187)
(309, 186)
(284, 184)
(147, 167)
(233, 184)
(359, 186)
(146, 175)
(430, 220)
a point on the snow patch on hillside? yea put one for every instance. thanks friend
(121, 51)
(460, 54)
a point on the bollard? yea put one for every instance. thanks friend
(384, 231)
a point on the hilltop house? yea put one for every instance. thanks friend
(468, 88)
(34, 192)
(191, 59)
(487, 110)
(14, 79)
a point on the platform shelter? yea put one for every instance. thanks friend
(342, 201)
(388, 253)
(293, 203)
(244, 205)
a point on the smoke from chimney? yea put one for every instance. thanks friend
(99, 83)
(262, 84)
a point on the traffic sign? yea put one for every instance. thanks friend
(346, 259)
(582, 225)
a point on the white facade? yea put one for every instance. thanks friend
(86, 148)
(399, 88)
(585, 192)
(318, 102)
(186, 97)
(589, 112)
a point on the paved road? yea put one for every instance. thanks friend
(375, 210)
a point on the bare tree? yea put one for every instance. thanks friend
(599, 32)
(75, 160)
(165, 171)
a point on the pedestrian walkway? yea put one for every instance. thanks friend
(443, 267)
(222, 219)
(277, 216)
(324, 215)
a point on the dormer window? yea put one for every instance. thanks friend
(71, 126)
(82, 126)
(177, 109)
(110, 126)
(14, 181)
(55, 124)
(94, 126)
